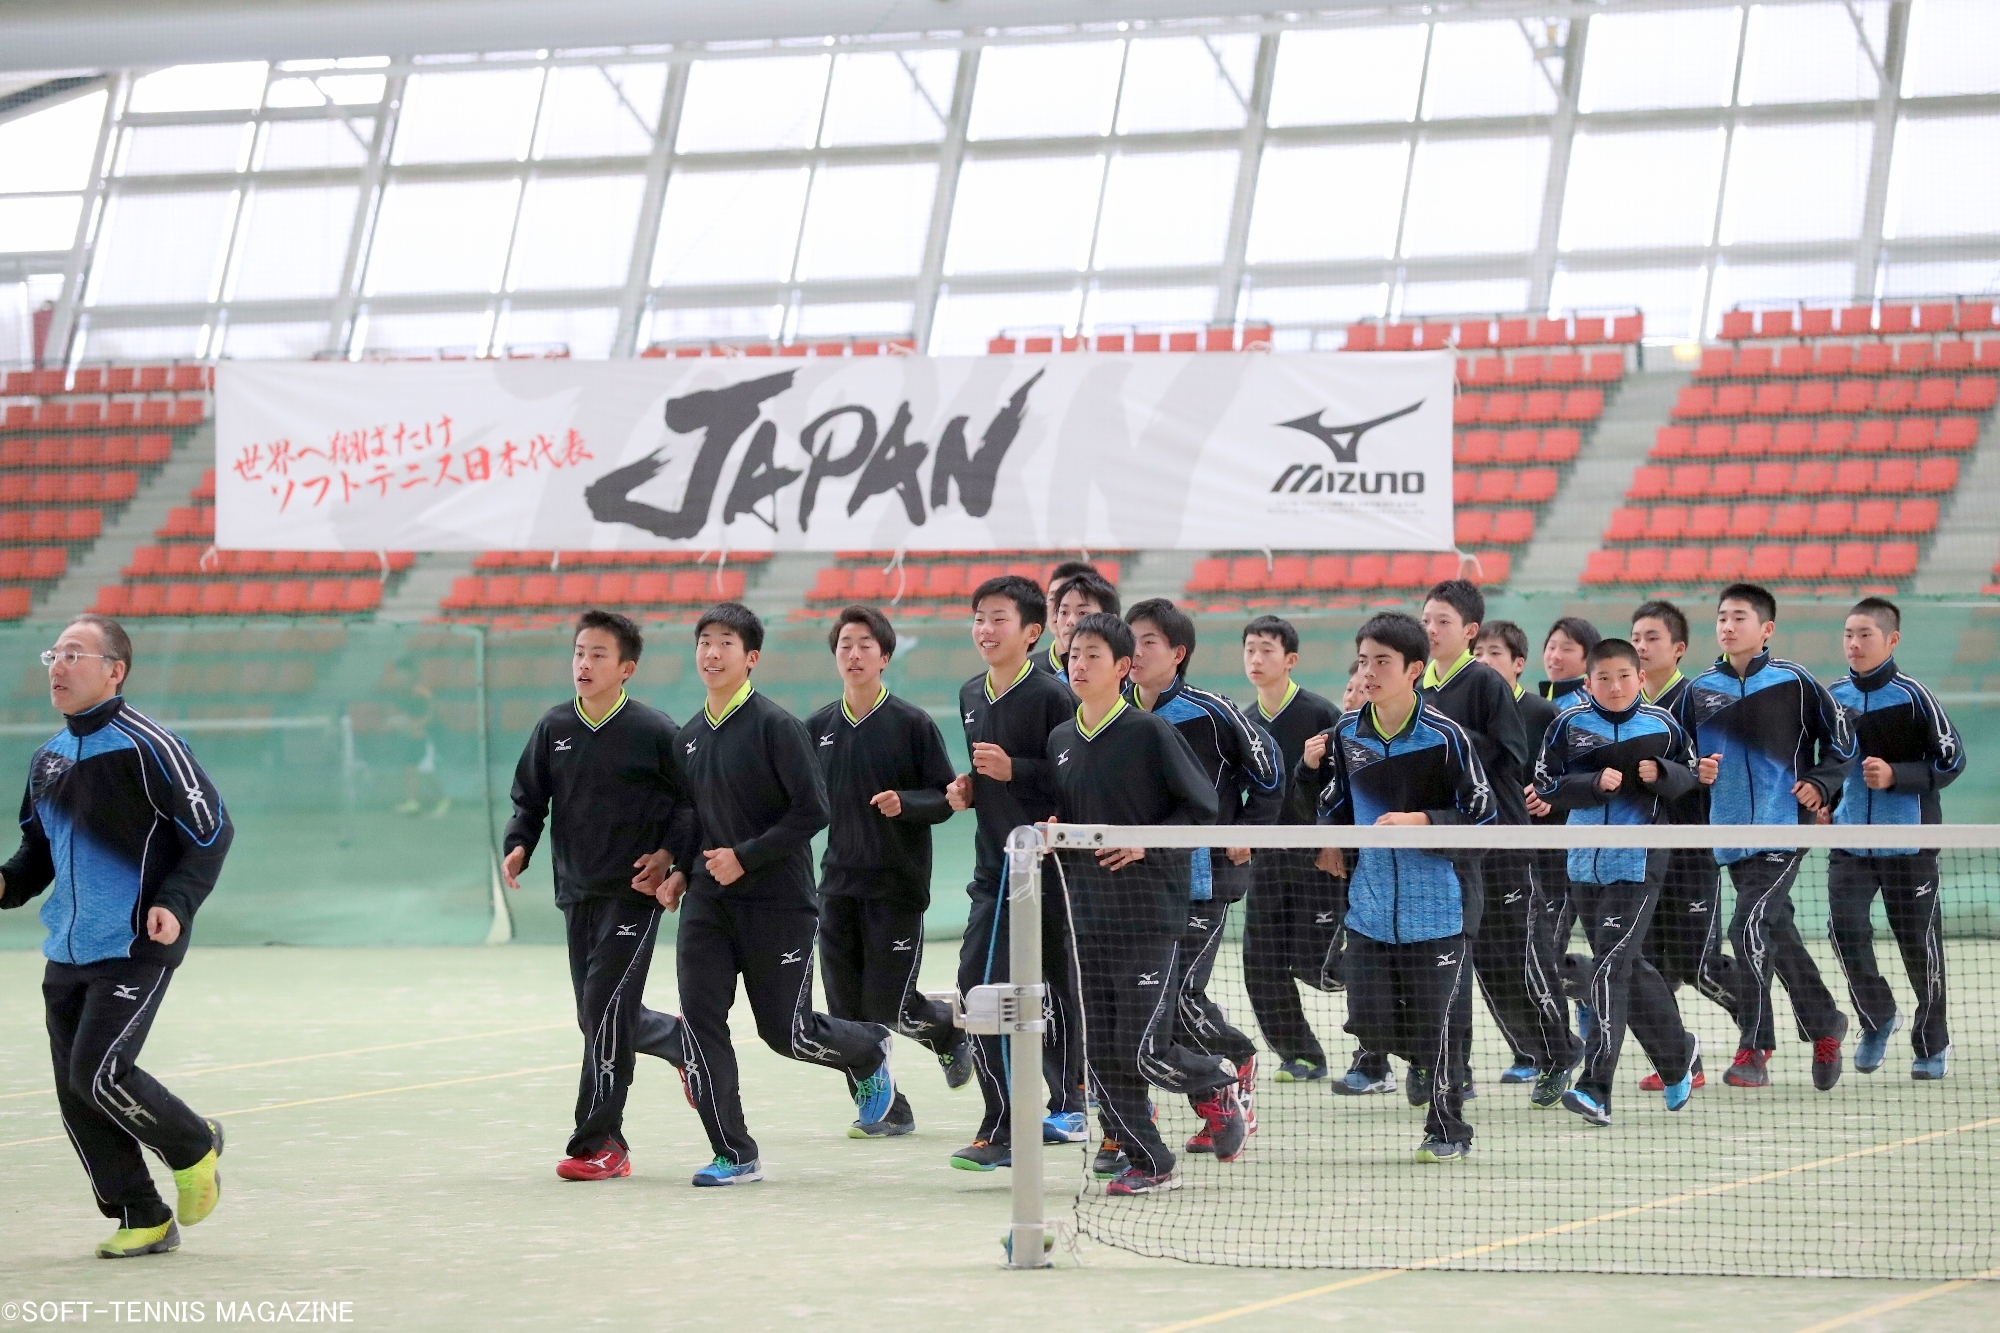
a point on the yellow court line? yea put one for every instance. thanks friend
(321, 1055)
(349, 1096)
(1529, 1238)
(1886, 1306)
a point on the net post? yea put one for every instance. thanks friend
(1027, 1231)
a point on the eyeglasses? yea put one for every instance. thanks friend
(69, 657)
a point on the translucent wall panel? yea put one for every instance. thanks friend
(231, 87)
(1934, 279)
(729, 226)
(172, 150)
(466, 332)
(44, 223)
(17, 328)
(1043, 91)
(1648, 188)
(1486, 69)
(314, 145)
(1678, 58)
(1033, 214)
(482, 116)
(281, 342)
(326, 90)
(867, 222)
(1796, 182)
(1810, 53)
(848, 318)
(1115, 306)
(1954, 48)
(51, 150)
(1327, 203)
(161, 247)
(1942, 181)
(964, 323)
(1347, 75)
(442, 237)
(293, 243)
(576, 232)
(1474, 196)
(1463, 298)
(142, 344)
(749, 322)
(1187, 83)
(740, 105)
(600, 111)
(1736, 284)
(889, 98)
(1164, 209)
(587, 333)
(1317, 305)
(1671, 298)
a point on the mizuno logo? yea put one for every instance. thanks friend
(1921, 890)
(900, 946)
(1197, 923)
(826, 740)
(125, 993)
(629, 928)
(1344, 441)
(690, 747)
(1149, 978)
(970, 718)
(791, 956)
(1323, 918)
(562, 745)
(1697, 907)
(1062, 759)
(1513, 897)
(1447, 960)
(1612, 922)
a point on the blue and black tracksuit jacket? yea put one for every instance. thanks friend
(1242, 762)
(1400, 895)
(118, 818)
(1579, 746)
(1899, 721)
(1774, 726)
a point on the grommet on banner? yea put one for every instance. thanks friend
(1268, 562)
(208, 555)
(1469, 565)
(382, 558)
(895, 566)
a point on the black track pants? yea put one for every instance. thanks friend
(1624, 988)
(870, 952)
(1909, 889)
(1292, 935)
(1399, 1000)
(610, 951)
(1517, 969)
(982, 960)
(1685, 944)
(1766, 942)
(1200, 1024)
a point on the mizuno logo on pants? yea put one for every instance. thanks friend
(1149, 978)
(1323, 919)
(900, 946)
(1921, 890)
(791, 956)
(125, 993)
(628, 929)
(1447, 960)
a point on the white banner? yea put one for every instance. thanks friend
(1206, 451)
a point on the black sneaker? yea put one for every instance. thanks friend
(1826, 1062)
(979, 1155)
(957, 1064)
(1550, 1085)
(888, 1127)
(1132, 1180)
(1418, 1089)
(1299, 1071)
(1110, 1160)
(1433, 1151)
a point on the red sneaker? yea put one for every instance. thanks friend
(607, 1163)
(1246, 1092)
(687, 1089)
(1654, 1083)
(1225, 1128)
(1748, 1069)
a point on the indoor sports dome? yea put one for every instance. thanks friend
(350, 350)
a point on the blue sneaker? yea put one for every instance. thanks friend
(1064, 1127)
(1585, 1020)
(1677, 1094)
(1593, 1112)
(1354, 1083)
(722, 1171)
(1874, 1047)
(1299, 1071)
(1929, 1067)
(874, 1095)
(1522, 1070)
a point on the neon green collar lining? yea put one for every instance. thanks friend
(1433, 680)
(585, 717)
(735, 703)
(1092, 733)
(1375, 725)
(1291, 692)
(991, 697)
(857, 721)
(1672, 681)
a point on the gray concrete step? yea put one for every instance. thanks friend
(1968, 538)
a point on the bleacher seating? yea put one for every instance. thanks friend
(567, 581)
(839, 347)
(1251, 338)
(1298, 581)
(1474, 332)
(926, 584)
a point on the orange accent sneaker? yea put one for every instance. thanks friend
(607, 1163)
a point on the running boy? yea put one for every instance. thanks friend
(608, 766)
(1050, 659)
(124, 824)
(750, 773)
(1008, 712)
(1909, 752)
(1406, 956)
(1619, 760)
(886, 772)
(1113, 763)
(1291, 927)
(1564, 648)
(1075, 597)
(1774, 749)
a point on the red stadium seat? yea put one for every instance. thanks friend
(1853, 560)
(1832, 518)
(1474, 448)
(1915, 518)
(1872, 359)
(1753, 363)
(1470, 527)
(1896, 560)
(1648, 483)
(1367, 571)
(1288, 573)
(1603, 566)
(1628, 524)
(1772, 400)
(1327, 573)
(1792, 438)
(1246, 574)
(1936, 475)
(1789, 520)
(1957, 433)
(1768, 563)
(1811, 560)
(1717, 363)
(1708, 523)
(1872, 518)
(1729, 480)
(1747, 522)
(1752, 440)
(1732, 400)
(1671, 442)
(1853, 477)
(1712, 441)
(1536, 485)
(1666, 523)
(1694, 400)
(1873, 436)
(1211, 575)
(1644, 564)
(1518, 446)
(1686, 564)
(1513, 527)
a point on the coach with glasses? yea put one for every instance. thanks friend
(126, 834)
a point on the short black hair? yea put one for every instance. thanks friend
(1462, 596)
(879, 628)
(736, 617)
(1276, 627)
(1579, 631)
(1398, 630)
(1171, 621)
(1023, 593)
(630, 641)
(1607, 649)
(1760, 599)
(1355, 666)
(1885, 612)
(1115, 633)
(1069, 569)
(1512, 636)
(117, 643)
(1092, 586)
(1667, 614)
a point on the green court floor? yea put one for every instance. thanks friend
(394, 1117)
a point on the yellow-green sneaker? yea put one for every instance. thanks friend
(200, 1185)
(131, 1242)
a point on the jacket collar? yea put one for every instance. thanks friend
(95, 719)
(1619, 718)
(1873, 680)
(1160, 701)
(1757, 663)
(1553, 690)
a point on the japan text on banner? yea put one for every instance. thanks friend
(1196, 452)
